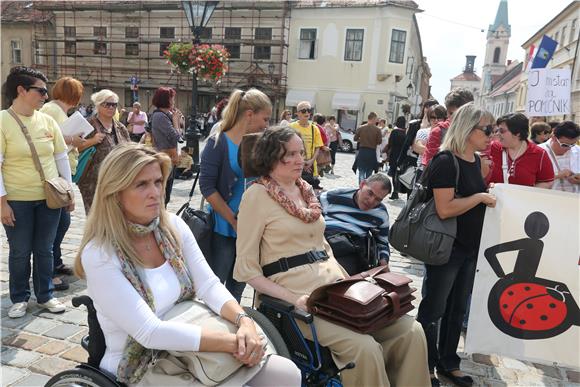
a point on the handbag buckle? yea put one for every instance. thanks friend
(371, 280)
(315, 256)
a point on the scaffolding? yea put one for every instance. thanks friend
(104, 43)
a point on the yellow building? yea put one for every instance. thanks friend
(351, 58)
(18, 23)
(563, 28)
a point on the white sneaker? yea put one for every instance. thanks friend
(53, 305)
(18, 310)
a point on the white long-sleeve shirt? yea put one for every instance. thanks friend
(121, 311)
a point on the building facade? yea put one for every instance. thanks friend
(106, 43)
(563, 28)
(351, 58)
(19, 20)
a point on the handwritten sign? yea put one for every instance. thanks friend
(548, 92)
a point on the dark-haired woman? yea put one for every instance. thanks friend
(165, 123)
(107, 134)
(30, 225)
(221, 179)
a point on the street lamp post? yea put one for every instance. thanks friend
(198, 14)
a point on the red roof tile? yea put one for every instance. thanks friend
(23, 12)
(467, 77)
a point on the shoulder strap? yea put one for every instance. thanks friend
(504, 166)
(457, 171)
(312, 143)
(30, 144)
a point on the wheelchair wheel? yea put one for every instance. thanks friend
(270, 331)
(80, 377)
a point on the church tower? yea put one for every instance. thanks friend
(498, 37)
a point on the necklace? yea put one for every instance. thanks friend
(512, 168)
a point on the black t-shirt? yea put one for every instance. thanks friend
(396, 141)
(442, 175)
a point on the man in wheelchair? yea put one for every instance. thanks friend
(357, 224)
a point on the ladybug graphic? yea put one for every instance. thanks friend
(522, 305)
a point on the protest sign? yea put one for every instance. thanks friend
(525, 297)
(548, 92)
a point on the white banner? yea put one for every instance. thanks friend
(548, 92)
(527, 286)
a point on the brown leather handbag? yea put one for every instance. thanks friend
(365, 302)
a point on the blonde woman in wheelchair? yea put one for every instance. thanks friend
(280, 217)
(140, 261)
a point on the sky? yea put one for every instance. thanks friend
(451, 29)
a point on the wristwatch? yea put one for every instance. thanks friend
(240, 316)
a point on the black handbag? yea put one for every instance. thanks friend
(200, 222)
(418, 231)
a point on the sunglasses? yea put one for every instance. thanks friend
(110, 104)
(304, 111)
(547, 132)
(487, 130)
(435, 118)
(39, 90)
(564, 145)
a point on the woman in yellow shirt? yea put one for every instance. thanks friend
(66, 94)
(30, 225)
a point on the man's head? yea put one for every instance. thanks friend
(372, 118)
(372, 191)
(457, 98)
(566, 135)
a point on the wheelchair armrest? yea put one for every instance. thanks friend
(287, 307)
(82, 300)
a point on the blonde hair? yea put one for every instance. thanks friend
(463, 121)
(238, 103)
(106, 225)
(101, 96)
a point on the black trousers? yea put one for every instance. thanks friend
(445, 292)
(333, 147)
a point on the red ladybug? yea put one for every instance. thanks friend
(521, 304)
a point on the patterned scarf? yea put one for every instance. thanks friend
(307, 215)
(136, 358)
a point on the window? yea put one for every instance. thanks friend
(563, 35)
(354, 44)
(263, 34)
(163, 47)
(307, 49)
(205, 33)
(398, 39)
(70, 32)
(573, 30)
(131, 49)
(38, 54)
(100, 48)
(70, 48)
(100, 32)
(131, 32)
(233, 33)
(557, 37)
(262, 52)
(16, 47)
(496, 53)
(167, 32)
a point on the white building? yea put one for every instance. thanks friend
(468, 79)
(349, 59)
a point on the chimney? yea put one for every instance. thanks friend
(469, 64)
(509, 62)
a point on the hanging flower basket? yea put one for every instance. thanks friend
(206, 61)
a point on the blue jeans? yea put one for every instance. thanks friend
(223, 257)
(446, 289)
(63, 225)
(363, 174)
(33, 232)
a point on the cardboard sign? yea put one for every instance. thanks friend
(548, 92)
(525, 297)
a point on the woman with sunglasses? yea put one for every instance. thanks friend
(565, 156)
(540, 132)
(515, 160)
(30, 225)
(107, 134)
(447, 287)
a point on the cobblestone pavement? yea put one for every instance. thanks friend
(42, 344)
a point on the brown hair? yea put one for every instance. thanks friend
(538, 128)
(270, 148)
(68, 90)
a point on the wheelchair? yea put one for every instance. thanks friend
(273, 316)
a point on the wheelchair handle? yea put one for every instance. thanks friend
(82, 300)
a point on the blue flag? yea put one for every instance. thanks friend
(545, 52)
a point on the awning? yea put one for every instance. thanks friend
(346, 101)
(295, 96)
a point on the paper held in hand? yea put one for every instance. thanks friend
(76, 125)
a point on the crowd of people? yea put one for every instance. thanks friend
(140, 261)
